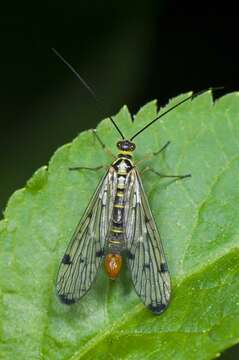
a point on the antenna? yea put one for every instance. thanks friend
(173, 107)
(87, 87)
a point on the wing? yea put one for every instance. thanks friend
(86, 249)
(146, 257)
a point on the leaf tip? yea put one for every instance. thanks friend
(38, 180)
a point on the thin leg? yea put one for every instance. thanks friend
(150, 156)
(86, 168)
(179, 177)
(106, 150)
(162, 149)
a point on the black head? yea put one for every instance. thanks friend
(126, 145)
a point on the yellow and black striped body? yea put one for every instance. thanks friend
(123, 165)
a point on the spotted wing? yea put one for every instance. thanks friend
(146, 257)
(86, 248)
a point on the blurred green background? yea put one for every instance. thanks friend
(129, 52)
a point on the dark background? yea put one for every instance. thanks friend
(130, 52)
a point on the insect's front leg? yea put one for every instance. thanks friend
(150, 156)
(161, 149)
(179, 177)
(106, 150)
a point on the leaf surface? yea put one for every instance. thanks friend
(198, 223)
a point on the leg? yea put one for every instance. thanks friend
(179, 177)
(86, 168)
(162, 148)
(149, 157)
(106, 150)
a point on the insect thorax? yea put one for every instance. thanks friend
(123, 164)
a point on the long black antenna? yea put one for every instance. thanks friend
(173, 107)
(87, 87)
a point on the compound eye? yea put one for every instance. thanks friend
(132, 147)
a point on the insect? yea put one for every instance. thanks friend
(118, 220)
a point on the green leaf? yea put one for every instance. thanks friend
(198, 222)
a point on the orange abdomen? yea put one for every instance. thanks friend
(113, 263)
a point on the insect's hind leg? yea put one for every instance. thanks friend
(106, 150)
(176, 177)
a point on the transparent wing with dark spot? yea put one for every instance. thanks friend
(146, 257)
(86, 249)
